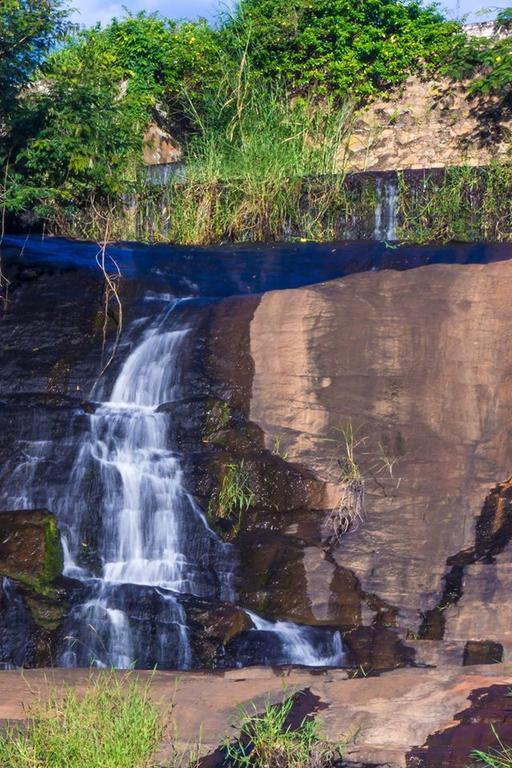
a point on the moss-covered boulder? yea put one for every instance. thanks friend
(30, 549)
(33, 595)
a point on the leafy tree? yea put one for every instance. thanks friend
(341, 46)
(80, 129)
(28, 29)
(487, 61)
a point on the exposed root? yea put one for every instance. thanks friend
(4, 282)
(110, 296)
(349, 513)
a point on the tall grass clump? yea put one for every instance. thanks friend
(257, 163)
(350, 509)
(260, 163)
(500, 757)
(464, 203)
(269, 740)
(113, 724)
(234, 497)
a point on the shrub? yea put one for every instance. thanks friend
(342, 46)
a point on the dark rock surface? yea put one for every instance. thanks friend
(417, 362)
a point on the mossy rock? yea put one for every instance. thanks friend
(47, 612)
(30, 549)
(227, 427)
(217, 417)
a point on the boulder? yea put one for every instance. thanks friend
(33, 599)
(30, 548)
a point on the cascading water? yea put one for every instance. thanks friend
(153, 534)
(386, 212)
(135, 542)
(300, 644)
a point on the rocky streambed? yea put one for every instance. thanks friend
(117, 434)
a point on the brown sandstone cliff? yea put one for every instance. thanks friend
(419, 363)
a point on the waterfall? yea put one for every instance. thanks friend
(386, 209)
(153, 534)
(303, 645)
(135, 541)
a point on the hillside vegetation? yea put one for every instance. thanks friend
(259, 101)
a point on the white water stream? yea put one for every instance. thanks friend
(153, 541)
(386, 210)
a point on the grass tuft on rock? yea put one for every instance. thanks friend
(234, 497)
(269, 739)
(113, 724)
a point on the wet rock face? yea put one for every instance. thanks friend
(213, 628)
(33, 600)
(417, 363)
(52, 332)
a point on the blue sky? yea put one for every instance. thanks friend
(90, 11)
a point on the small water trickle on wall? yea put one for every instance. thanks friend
(386, 209)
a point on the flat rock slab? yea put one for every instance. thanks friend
(409, 717)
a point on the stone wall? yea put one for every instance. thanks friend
(429, 124)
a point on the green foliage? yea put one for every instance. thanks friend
(486, 61)
(235, 494)
(465, 204)
(28, 29)
(261, 104)
(268, 739)
(80, 129)
(341, 46)
(113, 724)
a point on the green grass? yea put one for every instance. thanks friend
(113, 724)
(501, 759)
(235, 495)
(495, 758)
(465, 203)
(247, 161)
(260, 165)
(268, 740)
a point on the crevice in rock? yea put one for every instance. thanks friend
(451, 748)
(493, 532)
